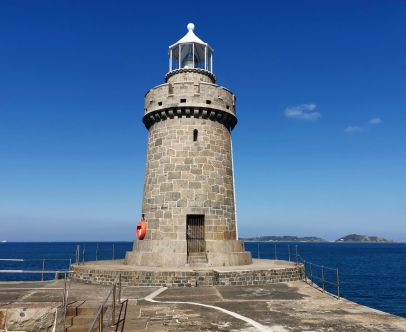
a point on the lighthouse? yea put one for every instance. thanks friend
(189, 207)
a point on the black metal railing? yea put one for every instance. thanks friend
(100, 320)
(325, 278)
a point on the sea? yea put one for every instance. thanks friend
(370, 274)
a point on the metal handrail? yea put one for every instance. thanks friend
(100, 313)
(277, 253)
(42, 271)
(65, 288)
(80, 255)
(308, 275)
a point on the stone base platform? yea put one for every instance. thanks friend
(173, 253)
(260, 272)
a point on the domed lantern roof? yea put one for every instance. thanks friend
(190, 52)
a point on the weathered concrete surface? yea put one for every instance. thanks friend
(260, 272)
(19, 311)
(293, 306)
(289, 307)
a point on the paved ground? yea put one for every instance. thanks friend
(280, 307)
(289, 307)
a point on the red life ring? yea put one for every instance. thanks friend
(141, 230)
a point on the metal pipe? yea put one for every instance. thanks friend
(170, 60)
(338, 285)
(180, 56)
(101, 318)
(113, 313)
(297, 256)
(193, 54)
(276, 256)
(289, 252)
(119, 288)
(311, 272)
(258, 251)
(43, 268)
(64, 291)
(205, 67)
(305, 275)
(113, 251)
(77, 254)
(322, 276)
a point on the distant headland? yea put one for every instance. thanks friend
(351, 238)
(355, 238)
(285, 238)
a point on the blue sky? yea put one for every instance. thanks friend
(320, 144)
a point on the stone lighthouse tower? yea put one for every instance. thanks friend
(189, 202)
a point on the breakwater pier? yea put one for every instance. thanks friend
(278, 306)
(113, 299)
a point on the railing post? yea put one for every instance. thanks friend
(322, 276)
(289, 252)
(64, 292)
(311, 272)
(304, 266)
(258, 251)
(83, 254)
(297, 256)
(338, 285)
(43, 268)
(70, 263)
(276, 256)
(119, 288)
(113, 251)
(77, 254)
(113, 313)
(101, 318)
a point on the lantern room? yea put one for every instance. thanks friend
(190, 52)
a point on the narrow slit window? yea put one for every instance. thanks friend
(195, 134)
(208, 102)
(159, 103)
(183, 100)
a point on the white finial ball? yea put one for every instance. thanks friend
(190, 26)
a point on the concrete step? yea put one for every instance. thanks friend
(195, 259)
(85, 311)
(71, 309)
(81, 315)
(84, 328)
(83, 320)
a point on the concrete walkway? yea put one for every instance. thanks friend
(281, 307)
(293, 306)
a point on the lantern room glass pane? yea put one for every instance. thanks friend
(190, 55)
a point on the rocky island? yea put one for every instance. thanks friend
(355, 238)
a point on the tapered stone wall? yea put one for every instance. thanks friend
(184, 176)
(189, 171)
